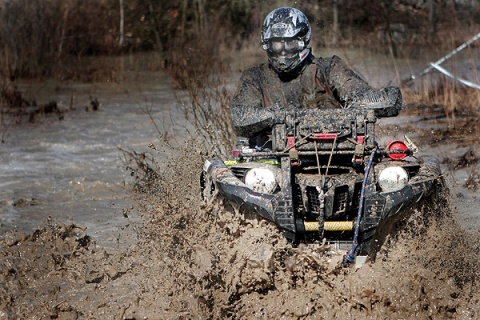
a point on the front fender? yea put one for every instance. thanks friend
(236, 191)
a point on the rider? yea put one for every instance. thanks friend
(294, 78)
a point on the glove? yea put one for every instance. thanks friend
(279, 116)
(386, 102)
(249, 121)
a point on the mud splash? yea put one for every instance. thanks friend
(194, 261)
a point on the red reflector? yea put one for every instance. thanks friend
(397, 150)
(324, 136)
(290, 141)
(361, 139)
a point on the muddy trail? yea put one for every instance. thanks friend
(196, 261)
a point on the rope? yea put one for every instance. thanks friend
(350, 256)
(448, 74)
(441, 60)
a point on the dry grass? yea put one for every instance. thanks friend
(458, 104)
(200, 73)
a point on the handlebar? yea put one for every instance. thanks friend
(323, 115)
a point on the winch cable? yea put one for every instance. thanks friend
(329, 158)
(350, 256)
(297, 143)
(331, 154)
(321, 194)
(318, 161)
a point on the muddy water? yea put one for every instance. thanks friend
(71, 170)
(192, 261)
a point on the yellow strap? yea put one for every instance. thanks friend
(230, 163)
(329, 226)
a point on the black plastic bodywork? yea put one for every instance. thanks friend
(322, 156)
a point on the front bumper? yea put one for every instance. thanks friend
(279, 208)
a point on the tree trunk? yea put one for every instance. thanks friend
(122, 24)
(155, 27)
(64, 27)
(335, 22)
(432, 16)
(184, 18)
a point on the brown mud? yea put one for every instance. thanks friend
(197, 261)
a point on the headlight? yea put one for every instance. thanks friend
(261, 180)
(393, 179)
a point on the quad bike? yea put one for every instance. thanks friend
(325, 178)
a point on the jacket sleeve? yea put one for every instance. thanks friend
(353, 91)
(247, 113)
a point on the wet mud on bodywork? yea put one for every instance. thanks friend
(214, 261)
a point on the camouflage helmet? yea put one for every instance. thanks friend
(286, 36)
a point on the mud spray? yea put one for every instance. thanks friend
(196, 261)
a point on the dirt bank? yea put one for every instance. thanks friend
(193, 261)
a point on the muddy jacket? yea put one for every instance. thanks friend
(323, 83)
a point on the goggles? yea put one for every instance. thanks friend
(288, 45)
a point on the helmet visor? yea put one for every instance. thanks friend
(287, 45)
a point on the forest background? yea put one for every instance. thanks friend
(48, 38)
